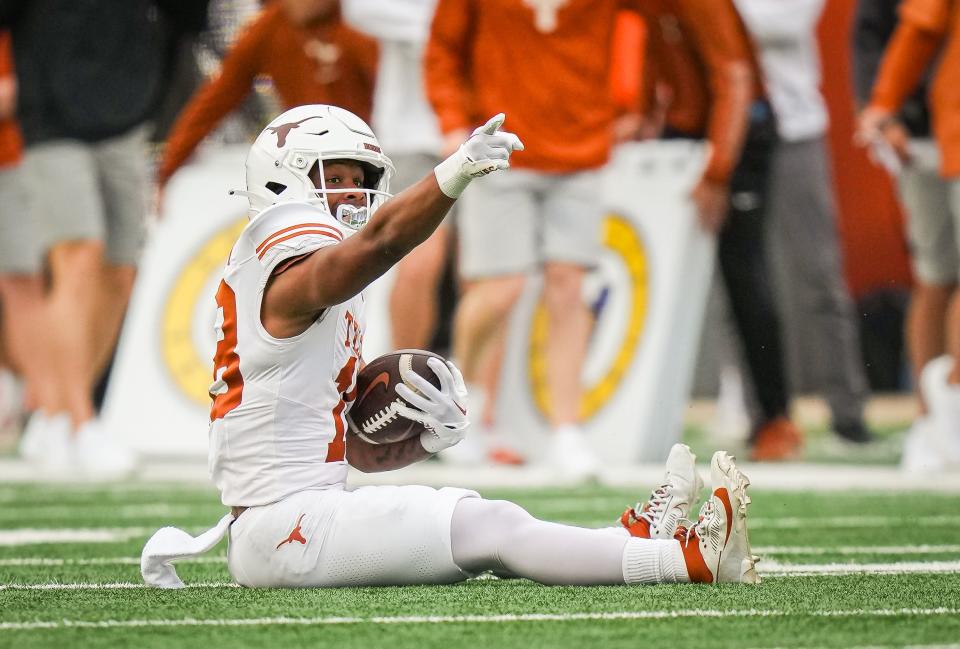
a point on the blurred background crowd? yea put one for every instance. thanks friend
(832, 186)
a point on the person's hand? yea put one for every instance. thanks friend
(442, 411)
(487, 150)
(870, 124)
(885, 137)
(713, 202)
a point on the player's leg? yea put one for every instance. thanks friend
(370, 536)
(571, 221)
(502, 537)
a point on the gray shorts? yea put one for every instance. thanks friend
(513, 221)
(96, 191)
(19, 249)
(933, 216)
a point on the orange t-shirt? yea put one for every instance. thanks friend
(325, 64)
(690, 44)
(11, 145)
(926, 26)
(546, 64)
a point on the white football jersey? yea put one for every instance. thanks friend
(278, 419)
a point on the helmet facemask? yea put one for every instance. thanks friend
(373, 189)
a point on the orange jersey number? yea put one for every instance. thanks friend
(227, 388)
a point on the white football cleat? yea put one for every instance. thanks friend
(670, 503)
(571, 455)
(716, 549)
(100, 457)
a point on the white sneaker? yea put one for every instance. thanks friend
(716, 549)
(944, 402)
(47, 443)
(100, 456)
(920, 451)
(660, 516)
(571, 455)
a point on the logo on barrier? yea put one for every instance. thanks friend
(621, 239)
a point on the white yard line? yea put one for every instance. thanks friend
(777, 569)
(113, 510)
(468, 619)
(118, 585)
(857, 549)
(31, 535)
(832, 522)
(99, 561)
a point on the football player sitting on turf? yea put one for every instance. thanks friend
(290, 329)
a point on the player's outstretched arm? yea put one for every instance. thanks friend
(336, 273)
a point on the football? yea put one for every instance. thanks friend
(373, 416)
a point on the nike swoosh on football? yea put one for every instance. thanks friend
(383, 378)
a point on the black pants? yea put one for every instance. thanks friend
(743, 265)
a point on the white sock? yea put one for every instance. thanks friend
(653, 561)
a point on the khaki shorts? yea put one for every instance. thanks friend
(371, 536)
(98, 191)
(19, 249)
(513, 221)
(933, 216)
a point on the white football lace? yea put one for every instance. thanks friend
(706, 516)
(655, 505)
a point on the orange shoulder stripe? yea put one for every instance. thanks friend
(267, 242)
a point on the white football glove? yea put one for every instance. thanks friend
(443, 411)
(487, 150)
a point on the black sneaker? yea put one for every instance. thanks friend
(854, 431)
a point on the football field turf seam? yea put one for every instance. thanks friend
(460, 619)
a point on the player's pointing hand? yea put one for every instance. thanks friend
(487, 150)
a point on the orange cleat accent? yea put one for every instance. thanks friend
(639, 527)
(716, 548)
(776, 441)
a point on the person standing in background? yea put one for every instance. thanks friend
(544, 213)
(802, 208)
(304, 47)
(926, 198)
(704, 61)
(928, 30)
(21, 283)
(89, 77)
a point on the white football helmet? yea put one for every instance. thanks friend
(280, 160)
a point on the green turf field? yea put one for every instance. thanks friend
(851, 569)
